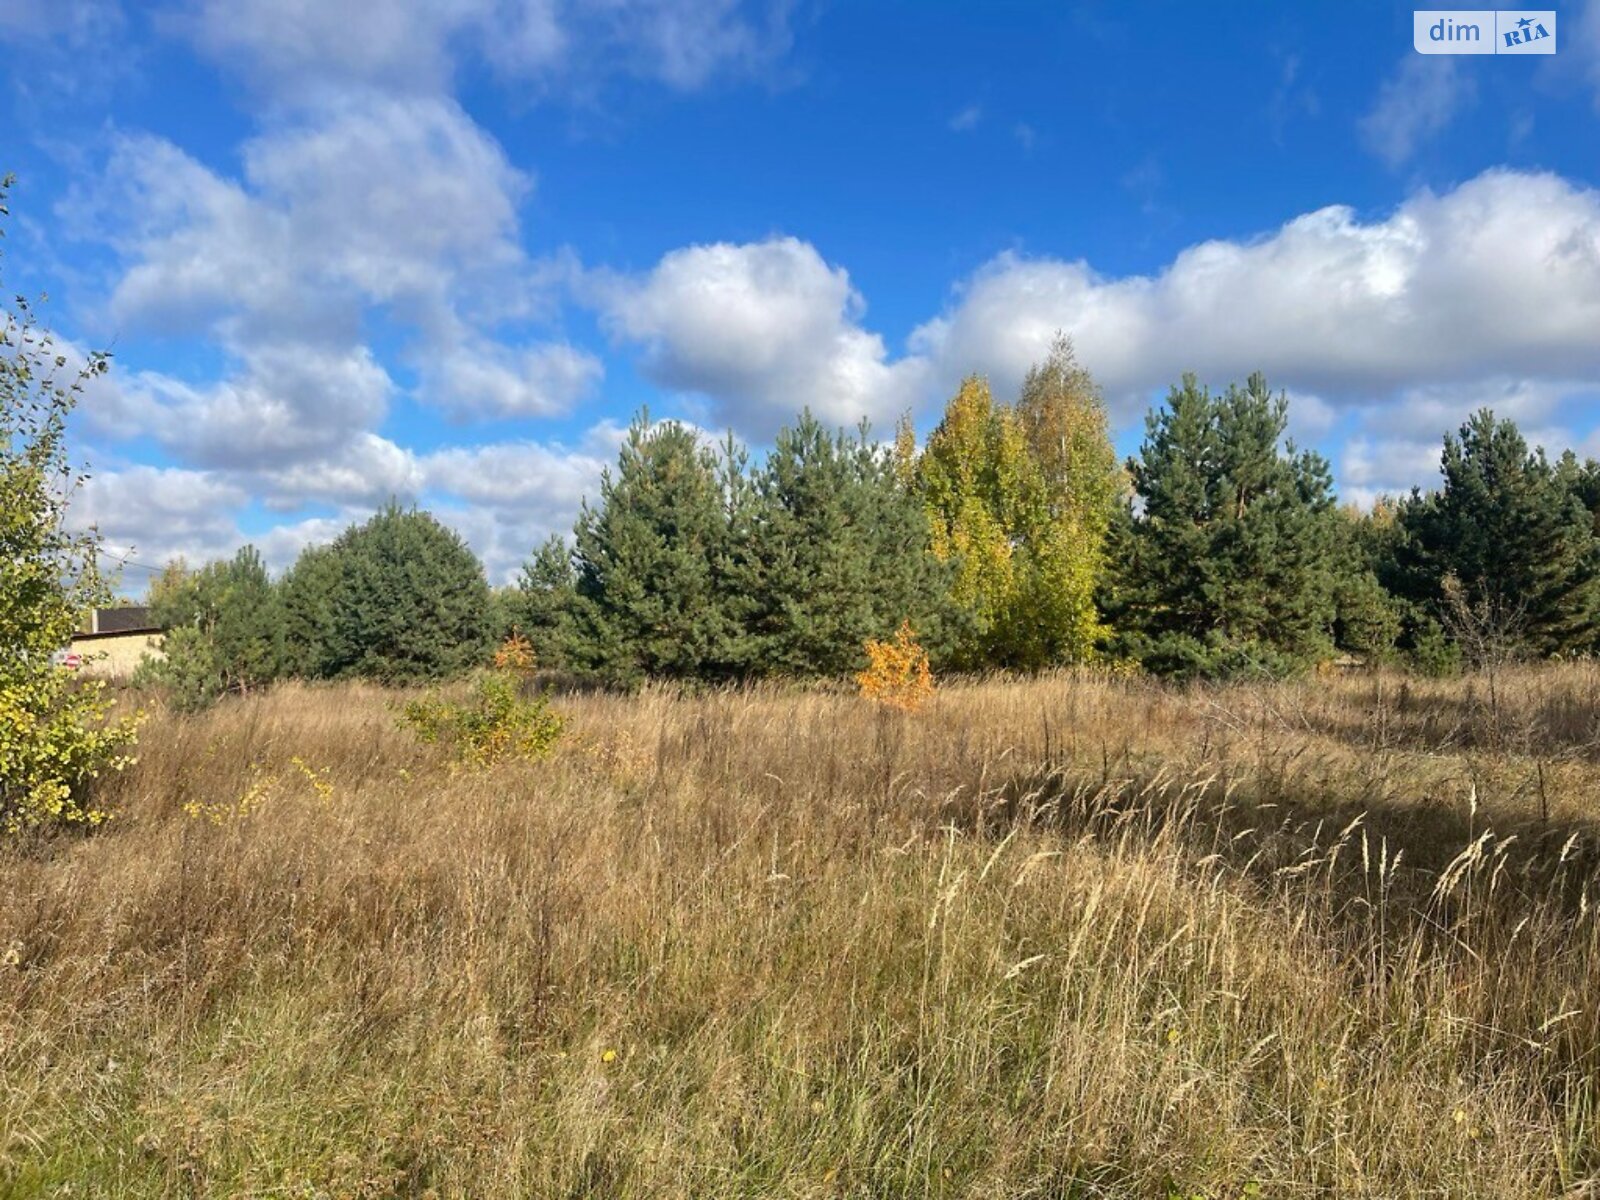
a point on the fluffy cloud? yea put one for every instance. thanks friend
(149, 514)
(402, 43)
(396, 207)
(1454, 299)
(762, 330)
(282, 544)
(1428, 410)
(287, 402)
(400, 199)
(366, 471)
(380, 200)
(512, 476)
(1402, 325)
(370, 200)
(368, 210)
(1500, 277)
(201, 253)
(483, 379)
(1396, 445)
(504, 498)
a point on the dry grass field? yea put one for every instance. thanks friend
(1066, 937)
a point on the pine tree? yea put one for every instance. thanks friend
(251, 641)
(307, 593)
(1583, 478)
(1368, 621)
(838, 554)
(411, 602)
(653, 563)
(543, 608)
(1228, 563)
(1513, 531)
(225, 630)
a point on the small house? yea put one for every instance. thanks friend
(113, 642)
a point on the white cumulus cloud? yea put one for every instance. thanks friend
(762, 330)
(1499, 277)
(147, 515)
(287, 402)
(479, 378)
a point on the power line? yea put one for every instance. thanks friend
(124, 561)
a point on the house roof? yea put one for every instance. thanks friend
(133, 618)
(120, 633)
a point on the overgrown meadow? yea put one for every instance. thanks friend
(1074, 936)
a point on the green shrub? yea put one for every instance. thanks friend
(1432, 651)
(498, 722)
(1216, 658)
(185, 673)
(224, 631)
(56, 732)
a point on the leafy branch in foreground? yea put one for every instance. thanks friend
(56, 732)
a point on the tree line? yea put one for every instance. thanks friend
(1011, 538)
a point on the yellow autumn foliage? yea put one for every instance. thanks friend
(897, 674)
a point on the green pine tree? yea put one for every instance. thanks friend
(411, 602)
(225, 630)
(1227, 563)
(1368, 621)
(839, 554)
(543, 606)
(653, 563)
(308, 592)
(1513, 531)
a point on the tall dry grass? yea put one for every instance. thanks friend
(1066, 937)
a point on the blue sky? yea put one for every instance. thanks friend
(442, 250)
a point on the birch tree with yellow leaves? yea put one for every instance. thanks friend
(1020, 499)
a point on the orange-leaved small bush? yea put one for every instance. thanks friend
(897, 673)
(515, 654)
